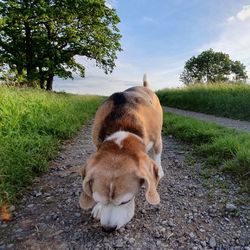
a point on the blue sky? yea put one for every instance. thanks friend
(159, 36)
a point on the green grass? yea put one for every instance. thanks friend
(227, 100)
(32, 124)
(223, 149)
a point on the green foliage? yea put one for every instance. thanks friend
(42, 38)
(228, 100)
(32, 123)
(211, 66)
(223, 148)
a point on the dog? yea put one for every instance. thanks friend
(126, 126)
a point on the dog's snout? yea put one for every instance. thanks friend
(108, 229)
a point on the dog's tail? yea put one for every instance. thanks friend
(145, 81)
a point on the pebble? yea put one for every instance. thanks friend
(10, 246)
(238, 248)
(230, 207)
(119, 244)
(158, 242)
(191, 235)
(12, 208)
(38, 194)
(171, 223)
(19, 230)
(212, 242)
(164, 222)
(157, 235)
(203, 243)
(77, 215)
(122, 230)
(53, 216)
(42, 226)
(131, 240)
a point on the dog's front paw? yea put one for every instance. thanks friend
(96, 211)
(160, 172)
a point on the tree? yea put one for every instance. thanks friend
(211, 66)
(239, 71)
(42, 37)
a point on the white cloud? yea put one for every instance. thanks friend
(112, 4)
(231, 19)
(235, 38)
(162, 72)
(147, 19)
(242, 15)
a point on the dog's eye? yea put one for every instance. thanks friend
(125, 202)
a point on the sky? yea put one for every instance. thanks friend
(158, 37)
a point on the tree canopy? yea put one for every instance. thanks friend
(211, 66)
(40, 38)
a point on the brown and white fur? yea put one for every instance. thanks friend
(126, 126)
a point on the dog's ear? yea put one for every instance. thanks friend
(82, 170)
(86, 201)
(148, 171)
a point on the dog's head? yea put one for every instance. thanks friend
(111, 179)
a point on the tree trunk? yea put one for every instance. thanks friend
(28, 51)
(30, 68)
(50, 75)
(42, 81)
(41, 78)
(50, 81)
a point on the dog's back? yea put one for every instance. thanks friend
(136, 110)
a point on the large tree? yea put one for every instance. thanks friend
(211, 66)
(40, 38)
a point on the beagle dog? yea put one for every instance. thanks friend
(126, 126)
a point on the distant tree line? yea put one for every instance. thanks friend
(39, 39)
(211, 66)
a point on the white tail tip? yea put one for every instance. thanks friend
(145, 81)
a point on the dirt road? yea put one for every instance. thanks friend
(227, 122)
(189, 216)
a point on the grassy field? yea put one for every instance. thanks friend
(32, 123)
(228, 100)
(222, 148)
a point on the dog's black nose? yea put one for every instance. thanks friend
(108, 229)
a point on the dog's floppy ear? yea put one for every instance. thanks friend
(148, 171)
(86, 201)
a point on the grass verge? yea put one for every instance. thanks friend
(32, 123)
(224, 149)
(227, 100)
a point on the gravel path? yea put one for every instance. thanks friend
(188, 217)
(236, 124)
